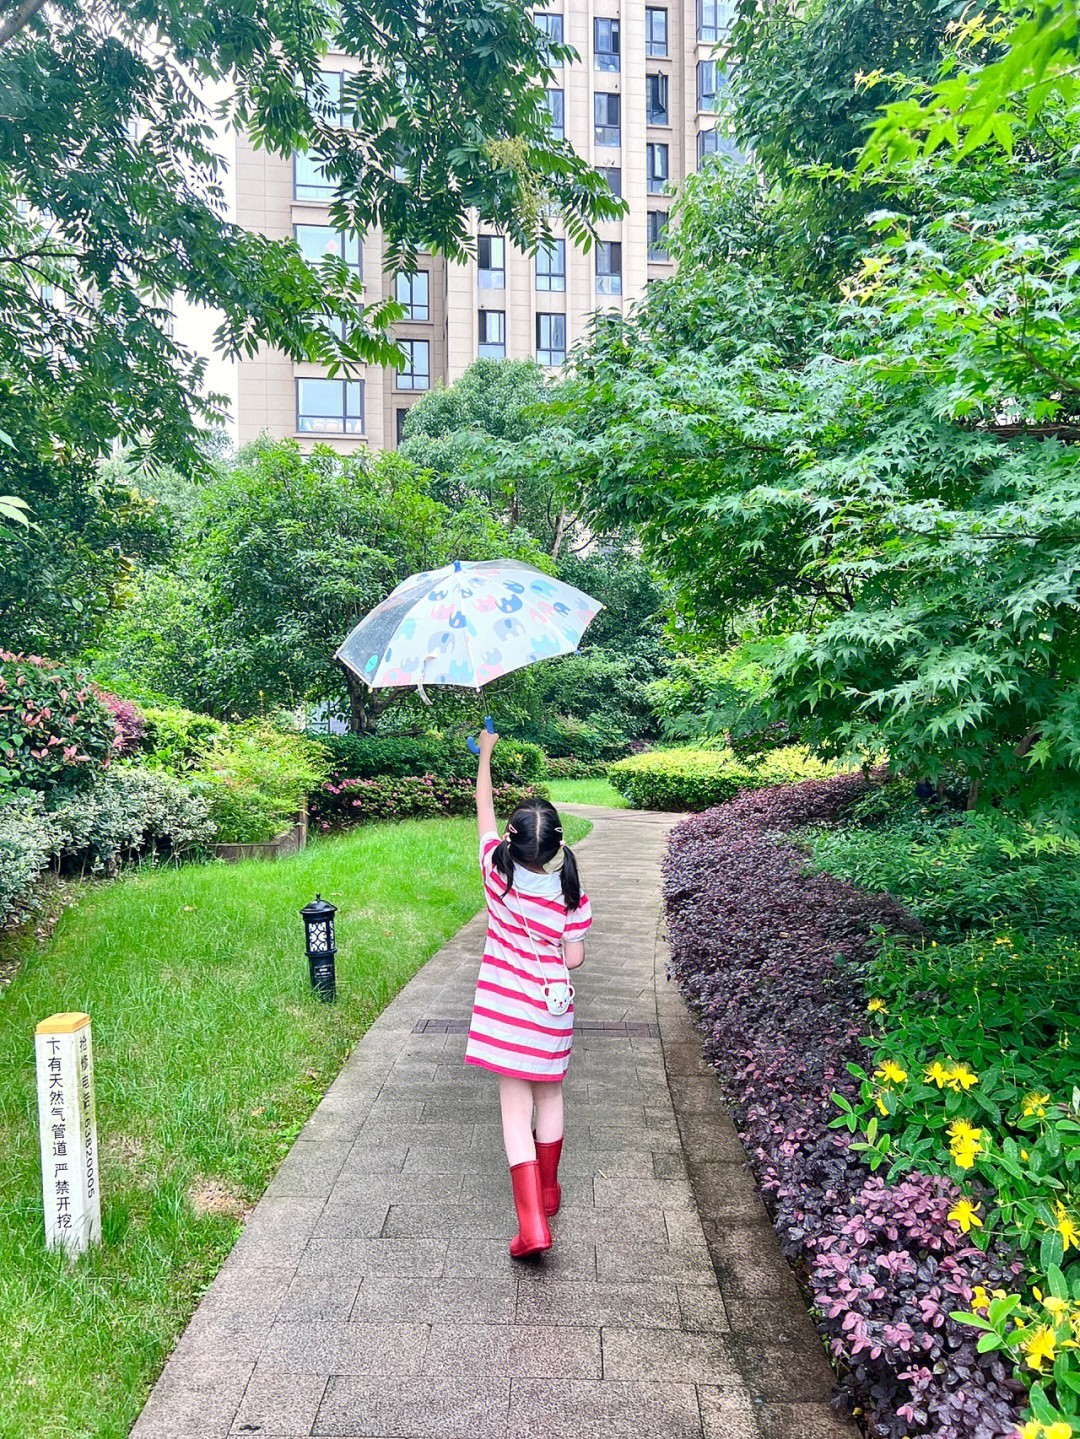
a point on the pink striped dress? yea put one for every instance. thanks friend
(511, 1030)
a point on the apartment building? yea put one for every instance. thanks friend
(638, 104)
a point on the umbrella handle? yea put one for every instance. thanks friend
(489, 726)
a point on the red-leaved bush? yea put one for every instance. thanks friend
(128, 721)
(754, 945)
(392, 797)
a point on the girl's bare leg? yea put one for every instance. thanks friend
(516, 1104)
(549, 1112)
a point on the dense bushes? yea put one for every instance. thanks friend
(124, 813)
(362, 801)
(772, 959)
(563, 737)
(255, 777)
(54, 730)
(698, 778)
(369, 756)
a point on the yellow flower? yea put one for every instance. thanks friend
(1058, 1430)
(891, 1072)
(883, 1108)
(1031, 1430)
(980, 1299)
(1035, 1104)
(966, 1215)
(962, 1130)
(961, 1077)
(1066, 1227)
(1041, 1348)
(1024, 1154)
(877, 1006)
(1054, 1306)
(936, 1073)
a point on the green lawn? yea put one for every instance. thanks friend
(210, 1053)
(586, 791)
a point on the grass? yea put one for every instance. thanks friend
(585, 791)
(210, 1053)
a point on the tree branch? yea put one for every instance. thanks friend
(18, 19)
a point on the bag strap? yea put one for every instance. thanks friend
(532, 942)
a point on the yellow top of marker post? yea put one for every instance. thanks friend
(63, 1023)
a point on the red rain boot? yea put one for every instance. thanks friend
(547, 1156)
(533, 1233)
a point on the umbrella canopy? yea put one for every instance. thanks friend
(466, 624)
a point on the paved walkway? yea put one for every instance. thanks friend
(371, 1293)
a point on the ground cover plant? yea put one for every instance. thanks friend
(772, 959)
(210, 1053)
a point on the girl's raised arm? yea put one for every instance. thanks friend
(485, 807)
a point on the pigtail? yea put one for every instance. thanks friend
(571, 879)
(503, 861)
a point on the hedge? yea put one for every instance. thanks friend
(696, 779)
(448, 756)
(392, 797)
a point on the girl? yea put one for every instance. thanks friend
(523, 1015)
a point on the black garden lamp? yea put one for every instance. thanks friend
(318, 920)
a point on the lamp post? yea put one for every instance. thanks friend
(318, 920)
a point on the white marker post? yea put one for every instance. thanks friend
(69, 1159)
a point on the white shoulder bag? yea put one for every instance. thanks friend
(558, 994)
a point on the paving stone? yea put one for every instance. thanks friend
(346, 1216)
(730, 1414)
(785, 1373)
(653, 1303)
(440, 1407)
(670, 1354)
(628, 1261)
(318, 1297)
(490, 1258)
(803, 1421)
(309, 1170)
(196, 1398)
(276, 1234)
(278, 1402)
(701, 1306)
(748, 1258)
(777, 1318)
(362, 1256)
(445, 1301)
(530, 1351)
(330, 1346)
(726, 1190)
(608, 1409)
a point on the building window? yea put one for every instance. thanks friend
(551, 29)
(556, 104)
(551, 339)
(712, 142)
(714, 17)
(315, 242)
(551, 266)
(325, 99)
(709, 82)
(656, 239)
(413, 292)
(416, 374)
(491, 262)
(613, 175)
(606, 44)
(656, 92)
(330, 407)
(656, 168)
(655, 33)
(606, 119)
(491, 335)
(400, 416)
(309, 181)
(609, 267)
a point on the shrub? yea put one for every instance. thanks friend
(27, 845)
(770, 958)
(696, 779)
(175, 737)
(127, 813)
(54, 730)
(568, 767)
(255, 777)
(566, 738)
(392, 797)
(370, 756)
(128, 721)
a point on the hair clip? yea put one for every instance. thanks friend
(510, 829)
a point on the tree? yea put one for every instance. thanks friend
(111, 198)
(283, 554)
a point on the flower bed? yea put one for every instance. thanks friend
(342, 802)
(762, 951)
